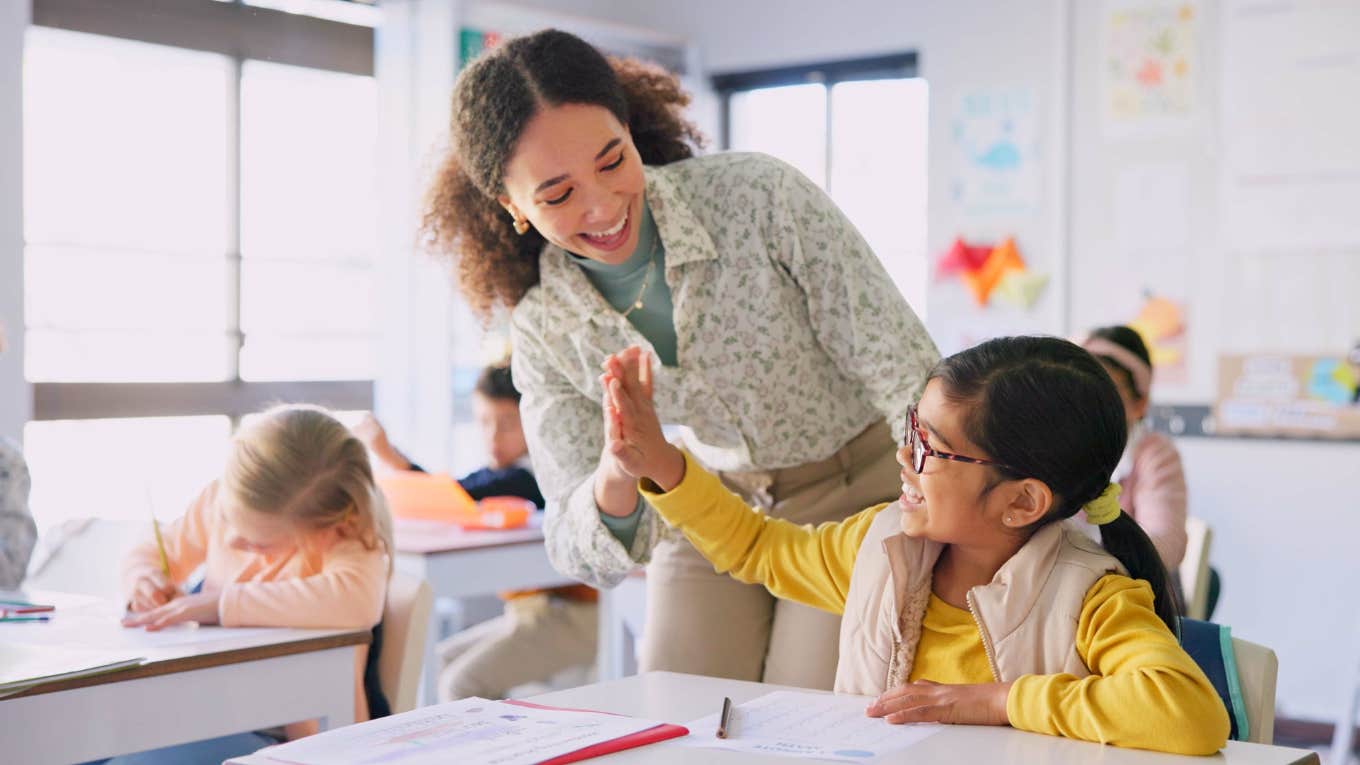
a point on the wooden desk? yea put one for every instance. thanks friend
(464, 564)
(680, 698)
(182, 693)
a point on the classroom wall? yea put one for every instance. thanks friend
(15, 398)
(1283, 513)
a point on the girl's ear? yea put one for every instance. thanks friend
(1030, 500)
(1140, 409)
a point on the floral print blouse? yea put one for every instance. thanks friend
(791, 340)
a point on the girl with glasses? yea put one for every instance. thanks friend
(968, 600)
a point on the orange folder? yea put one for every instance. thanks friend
(413, 495)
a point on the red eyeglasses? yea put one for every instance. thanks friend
(921, 448)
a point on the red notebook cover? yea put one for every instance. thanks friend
(641, 738)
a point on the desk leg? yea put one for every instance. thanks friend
(613, 635)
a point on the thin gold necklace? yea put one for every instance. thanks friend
(646, 278)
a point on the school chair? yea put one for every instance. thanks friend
(1194, 568)
(1344, 734)
(1257, 668)
(1242, 673)
(406, 619)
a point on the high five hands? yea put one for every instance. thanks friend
(633, 436)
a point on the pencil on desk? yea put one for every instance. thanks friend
(725, 719)
(25, 619)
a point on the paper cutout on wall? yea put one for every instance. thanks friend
(1021, 288)
(961, 257)
(986, 270)
(1004, 257)
(1162, 323)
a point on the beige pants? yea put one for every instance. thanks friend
(537, 637)
(710, 624)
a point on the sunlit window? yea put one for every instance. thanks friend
(863, 140)
(195, 224)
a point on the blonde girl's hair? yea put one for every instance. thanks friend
(300, 462)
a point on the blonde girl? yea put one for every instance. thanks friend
(293, 534)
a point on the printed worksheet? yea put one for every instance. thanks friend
(816, 726)
(470, 730)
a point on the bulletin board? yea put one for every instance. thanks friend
(1217, 188)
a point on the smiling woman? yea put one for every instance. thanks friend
(572, 196)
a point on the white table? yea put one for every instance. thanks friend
(680, 698)
(464, 564)
(181, 693)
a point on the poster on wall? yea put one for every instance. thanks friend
(1149, 63)
(995, 146)
(1290, 174)
(1280, 395)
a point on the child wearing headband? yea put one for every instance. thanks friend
(1149, 472)
(968, 600)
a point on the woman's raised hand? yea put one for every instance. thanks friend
(633, 436)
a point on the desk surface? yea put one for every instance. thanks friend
(82, 617)
(421, 537)
(680, 698)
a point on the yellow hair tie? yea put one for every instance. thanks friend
(1104, 508)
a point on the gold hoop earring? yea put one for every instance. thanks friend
(521, 226)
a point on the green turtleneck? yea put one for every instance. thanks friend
(622, 285)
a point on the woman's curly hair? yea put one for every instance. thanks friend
(494, 98)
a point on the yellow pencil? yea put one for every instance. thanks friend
(160, 545)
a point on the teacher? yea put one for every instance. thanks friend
(571, 196)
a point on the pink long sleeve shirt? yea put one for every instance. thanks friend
(333, 581)
(1154, 494)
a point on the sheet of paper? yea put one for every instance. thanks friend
(98, 625)
(816, 726)
(25, 664)
(470, 730)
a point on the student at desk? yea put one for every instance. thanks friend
(294, 534)
(542, 632)
(968, 600)
(17, 532)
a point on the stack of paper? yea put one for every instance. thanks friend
(23, 665)
(472, 730)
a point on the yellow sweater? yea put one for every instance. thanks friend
(1145, 692)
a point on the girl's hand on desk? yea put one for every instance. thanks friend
(924, 701)
(201, 607)
(152, 590)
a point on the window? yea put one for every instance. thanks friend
(857, 129)
(200, 215)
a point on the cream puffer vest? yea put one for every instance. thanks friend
(1027, 614)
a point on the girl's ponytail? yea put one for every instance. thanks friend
(1125, 539)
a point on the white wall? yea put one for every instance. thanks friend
(1286, 524)
(15, 398)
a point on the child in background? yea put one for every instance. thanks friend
(968, 600)
(495, 407)
(1150, 470)
(17, 532)
(542, 632)
(294, 534)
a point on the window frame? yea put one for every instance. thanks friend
(240, 33)
(890, 66)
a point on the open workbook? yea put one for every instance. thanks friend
(24, 665)
(471, 730)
